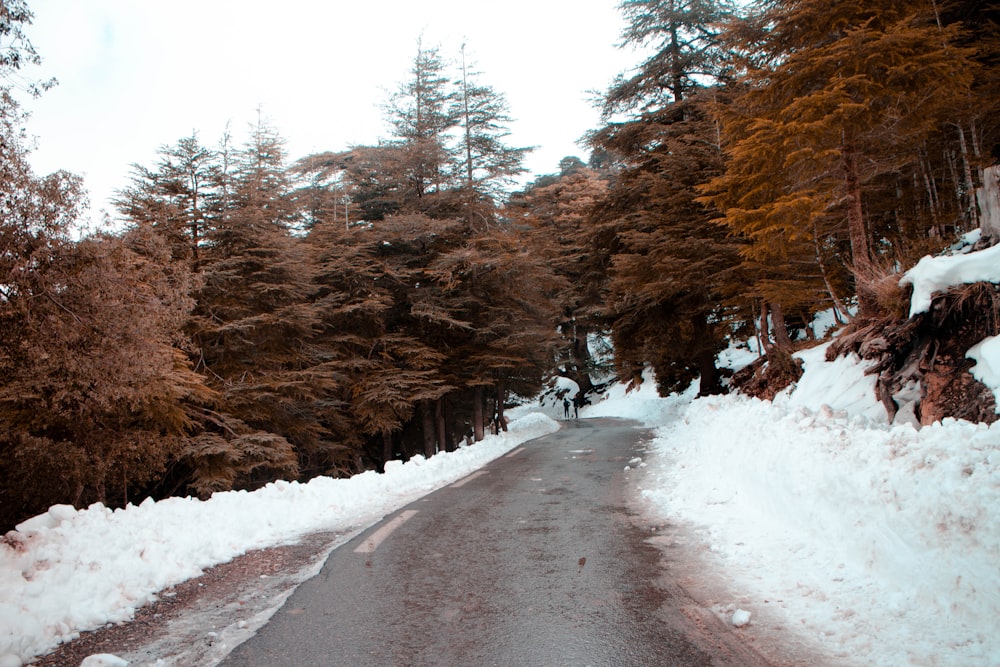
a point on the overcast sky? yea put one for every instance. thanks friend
(137, 74)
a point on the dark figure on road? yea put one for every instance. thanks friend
(577, 402)
(566, 408)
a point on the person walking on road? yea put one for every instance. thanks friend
(566, 408)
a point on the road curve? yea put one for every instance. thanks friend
(532, 561)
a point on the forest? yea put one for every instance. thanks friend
(260, 316)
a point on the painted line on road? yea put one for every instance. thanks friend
(376, 538)
(515, 452)
(466, 480)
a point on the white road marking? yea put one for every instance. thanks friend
(515, 452)
(466, 480)
(376, 538)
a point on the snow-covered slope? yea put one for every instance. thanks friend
(882, 543)
(879, 542)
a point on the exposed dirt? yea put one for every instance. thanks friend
(200, 620)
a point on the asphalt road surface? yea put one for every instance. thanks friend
(531, 561)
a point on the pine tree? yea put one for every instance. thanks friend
(849, 94)
(670, 266)
(559, 212)
(363, 183)
(90, 379)
(98, 394)
(685, 38)
(486, 164)
(673, 270)
(175, 196)
(252, 321)
(374, 334)
(495, 299)
(421, 114)
(793, 256)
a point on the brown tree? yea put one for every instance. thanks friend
(845, 102)
(560, 213)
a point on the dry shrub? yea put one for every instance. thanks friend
(882, 283)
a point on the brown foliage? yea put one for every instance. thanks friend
(95, 395)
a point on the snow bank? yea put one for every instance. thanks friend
(839, 386)
(880, 541)
(938, 274)
(642, 404)
(66, 571)
(987, 368)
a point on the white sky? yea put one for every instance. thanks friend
(134, 76)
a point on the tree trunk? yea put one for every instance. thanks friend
(970, 186)
(427, 422)
(781, 337)
(387, 453)
(838, 306)
(764, 329)
(709, 382)
(440, 409)
(933, 200)
(861, 257)
(470, 195)
(677, 65)
(501, 397)
(988, 197)
(477, 413)
(581, 357)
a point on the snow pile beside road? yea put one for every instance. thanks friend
(66, 571)
(642, 404)
(880, 542)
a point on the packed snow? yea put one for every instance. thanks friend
(878, 542)
(986, 354)
(936, 274)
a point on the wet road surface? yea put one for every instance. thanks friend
(533, 560)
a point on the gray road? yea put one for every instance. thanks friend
(531, 561)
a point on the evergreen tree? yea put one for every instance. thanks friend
(422, 114)
(362, 183)
(96, 394)
(684, 36)
(848, 97)
(559, 211)
(487, 164)
(175, 196)
(670, 266)
(673, 270)
(252, 320)
(497, 298)
(375, 336)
